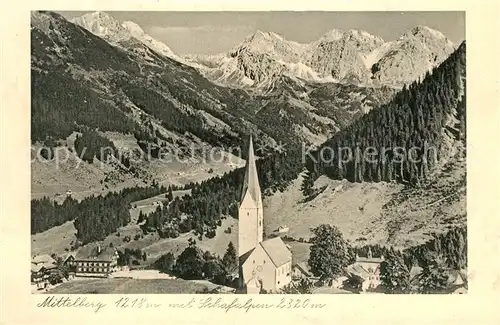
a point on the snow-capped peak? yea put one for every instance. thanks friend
(137, 32)
(271, 44)
(104, 25)
(133, 28)
(333, 35)
(425, 31)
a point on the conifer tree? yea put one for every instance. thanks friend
(230, 259)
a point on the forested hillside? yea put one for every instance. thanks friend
(98, 216)
(95, 217)
(79, 79)
(404, 139)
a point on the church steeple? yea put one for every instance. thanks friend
(250, 212)
(251, 181)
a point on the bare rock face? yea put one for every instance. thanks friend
(269, 43)
(262, 58)
(104, 26)
(346, 56)
(411, 56)
(340, 54)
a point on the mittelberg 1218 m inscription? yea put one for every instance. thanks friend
(203, 303)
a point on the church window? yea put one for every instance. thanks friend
(248, 213)
(253, 261)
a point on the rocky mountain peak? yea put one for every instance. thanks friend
(269, 43)
(133, 28)
(103, 25)
(107, 27)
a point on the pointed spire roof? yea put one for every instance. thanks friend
(251, 181)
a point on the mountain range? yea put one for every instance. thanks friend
(349, 56)
(258, 62)
(97, 82)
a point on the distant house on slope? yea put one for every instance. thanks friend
(283, 229)
(93, 261)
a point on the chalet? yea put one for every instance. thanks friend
(42, 267)
(367, 271)
(283, 229)
(92, 261)
(68, 260)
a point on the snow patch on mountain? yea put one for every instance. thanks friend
(347, 56)
(105, 26)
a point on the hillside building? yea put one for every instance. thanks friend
(92, 261)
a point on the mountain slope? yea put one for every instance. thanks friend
(411, 56)
(405, 138)
(140, 100)
(108, 28)
(379, 198)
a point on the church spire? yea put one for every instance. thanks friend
(251, 181)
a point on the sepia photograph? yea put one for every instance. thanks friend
(238, 152)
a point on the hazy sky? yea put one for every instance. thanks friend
(215, 32)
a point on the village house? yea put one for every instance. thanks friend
(94, 261)
(42, 267)
(367, 271)
(68, 260)
(265, 265)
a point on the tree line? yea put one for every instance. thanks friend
(211, 200)
(194, 264)
(330, 255)
(95, 216)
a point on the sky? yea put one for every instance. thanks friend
(216, 32)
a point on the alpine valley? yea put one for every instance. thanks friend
(99, 83)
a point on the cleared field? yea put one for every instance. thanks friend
(128, 286)
(216, 245)
(351, 207)
(369, 213)
(54, 240)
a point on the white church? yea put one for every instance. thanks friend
(264, 264)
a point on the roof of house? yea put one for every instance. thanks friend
(91, 253)
(68, 255)
(356, 269)
(376, 260)
(43, 259)
(277, 251)
(36, 267)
